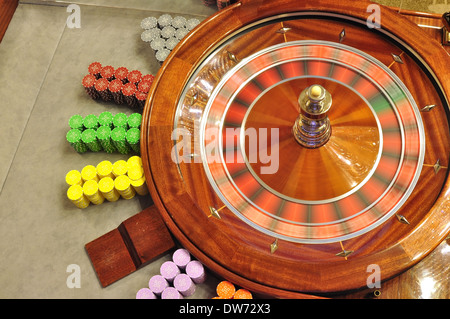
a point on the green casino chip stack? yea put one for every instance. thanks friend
(104, 137)
(134, 120)
(73, 136)
(133, 138)
(90, 121)
(76, 122)
(105, 119)
(118, 136)
(120, 120)
(89, 137)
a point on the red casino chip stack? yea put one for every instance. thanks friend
(115, 88)
(144, 86)
(121, 74)
(89, 86)
(148, 78)
(142, 92)
(141, 97)
(107, 73)
(128, 92)
(95, 68)
(101, 86)
(134, 76)
(119, 85)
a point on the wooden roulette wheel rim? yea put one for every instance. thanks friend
(260, 260)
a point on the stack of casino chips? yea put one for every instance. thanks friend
(164, 33)
(73, 136)
(106, 132)
(106, 181)
(95, 68)
(89, 86)
(227, 290)
(177, 279)
(89, 138)
(115, 88)
(120, 85)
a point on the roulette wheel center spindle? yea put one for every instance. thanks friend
(312, 128)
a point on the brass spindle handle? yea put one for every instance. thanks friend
(312, 128)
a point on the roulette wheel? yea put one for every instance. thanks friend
(291, 146)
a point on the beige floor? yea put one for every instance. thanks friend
(42, 63)
(433, 6)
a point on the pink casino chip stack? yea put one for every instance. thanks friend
(157, 284)
(171, 293)
(196, 271)
(145, 293)
(181, 257)
(169, 271)
(184, 284)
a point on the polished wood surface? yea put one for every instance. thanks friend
(7, 9)
(430, 23)
(241, 254)
(133, 244)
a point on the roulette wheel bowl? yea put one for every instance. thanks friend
(261, 258)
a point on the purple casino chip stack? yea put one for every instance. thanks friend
(184, 284)
(169, 270)
(181, 258)
(157, 284)
(145, 293)
(196, 271)
(171, 293)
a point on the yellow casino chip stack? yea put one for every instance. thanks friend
(106, 187)
(74, 178)
(105, 169)
(119, 168)
(89, 172)
(90, 189)
(134, 160)
(123, 186)
(137, 179)
(76, 196)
